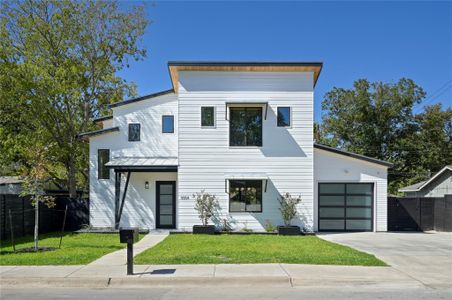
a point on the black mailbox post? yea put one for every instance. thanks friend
(129, 236)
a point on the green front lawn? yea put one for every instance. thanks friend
(242, 249)
(76, 249)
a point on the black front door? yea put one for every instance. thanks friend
(165, 204)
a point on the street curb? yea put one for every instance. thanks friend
(55, 282)
(144, 282)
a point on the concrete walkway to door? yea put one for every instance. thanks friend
(426, 257)
(119, 258)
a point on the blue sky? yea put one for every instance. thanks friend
(380, 41)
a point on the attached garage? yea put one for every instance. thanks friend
(350, 191)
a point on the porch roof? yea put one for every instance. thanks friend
(144, 164)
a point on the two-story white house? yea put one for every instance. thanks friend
(242, 131)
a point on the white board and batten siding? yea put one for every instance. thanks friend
(206, 159)
(139, 208)
(331, 167)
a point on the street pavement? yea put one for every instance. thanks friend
(233, 293)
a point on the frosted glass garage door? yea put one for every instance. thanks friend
(346, 206)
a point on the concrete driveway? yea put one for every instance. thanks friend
(426, 257)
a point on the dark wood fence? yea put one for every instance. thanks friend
(420, 214)
(50, 219)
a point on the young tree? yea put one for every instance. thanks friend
(33, 186)
(59, 61)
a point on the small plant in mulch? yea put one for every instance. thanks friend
(269, 227)
(207, 206)
(288, 209)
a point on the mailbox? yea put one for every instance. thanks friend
(128, 235)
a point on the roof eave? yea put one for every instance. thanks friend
(133, 100)
(90, 134)
(175, 66)
(100, 119)
(354, 155)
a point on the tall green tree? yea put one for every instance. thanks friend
(376, 119)
(434, 138)
(58, 69)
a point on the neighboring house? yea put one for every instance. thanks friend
(437, 186)
(242, 131)
(10, 185)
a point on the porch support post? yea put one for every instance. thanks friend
(123, 197)
(117, 196)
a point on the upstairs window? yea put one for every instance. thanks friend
(245, 126)
(207, 116)
(134, 132)
(283, 117)
(103, 157)
(168, 124)
(245, 196)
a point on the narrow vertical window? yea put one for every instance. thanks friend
(283, 117)
(103, 157)
(168, 124)
(134, 132)
(207, 116)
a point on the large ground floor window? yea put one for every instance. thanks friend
(346, 206)
(245, 195)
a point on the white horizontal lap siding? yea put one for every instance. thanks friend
(206, 159)
(138, 210)
(153, 143)
(331, 167)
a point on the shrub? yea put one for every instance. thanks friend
(206, 206)
(288, 207)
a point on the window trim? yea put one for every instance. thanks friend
(99, 166)
(214, 117)
(290, 116)
(345, 194)
(163, 117)
(139, 132)
(262, 129)
(246, 211)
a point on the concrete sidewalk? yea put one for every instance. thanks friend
(288, 275)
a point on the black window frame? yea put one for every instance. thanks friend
(260, 199)
(213, 116)
(290, 116)
(246, 108)
(101, 168)
(139, 132)
(163, 123)
(345, 206)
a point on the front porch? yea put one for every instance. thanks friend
(145, 192)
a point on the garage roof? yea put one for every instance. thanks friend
(353, 155)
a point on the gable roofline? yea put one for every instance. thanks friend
(104, 118)
(133, 100)
(353, 155)
(247, 66)
(420, 185)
